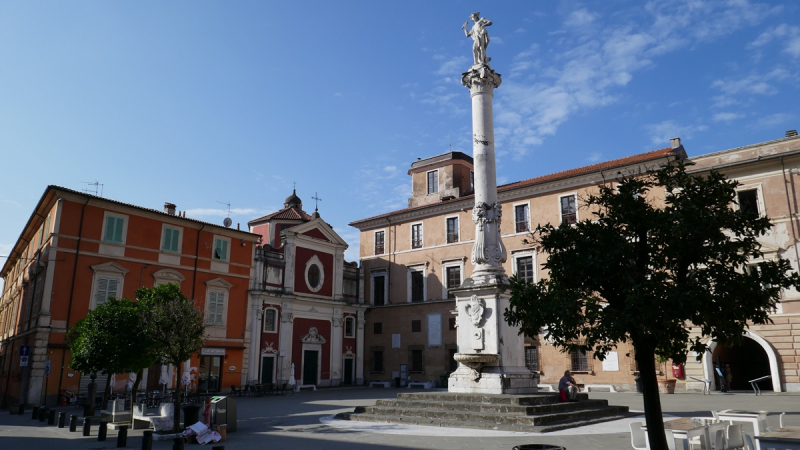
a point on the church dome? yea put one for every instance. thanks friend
(293, 201)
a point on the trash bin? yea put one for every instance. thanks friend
(538, 447)
(638, 381)
(191, 414)
(223, 412)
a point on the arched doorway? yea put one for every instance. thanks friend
(753, 358)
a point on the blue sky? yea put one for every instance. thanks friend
(197, 102)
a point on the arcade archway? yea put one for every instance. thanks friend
(754, 358)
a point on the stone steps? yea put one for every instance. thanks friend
(491, 408)
(538, 412)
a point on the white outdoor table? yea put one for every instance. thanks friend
(786, 438)
(686, 428)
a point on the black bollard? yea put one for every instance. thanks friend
(147, 440)
(102, 431)
(177, 443)
(21, 409)
(35, 413)
(122, 437)
(218, 447)
(73, 423)
(42, 414)
(87, 426)
(51, 417)
(62, 418)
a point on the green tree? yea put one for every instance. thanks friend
(110, 339)
(175, 326)
(651, 262)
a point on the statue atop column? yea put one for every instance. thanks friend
(480, 37)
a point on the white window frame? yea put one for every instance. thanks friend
(274, 323)
(427, 186)
(219, 286)
(421, 234)
(352, 320)
(124, 217)
(577, 214)
(445, 265)
(524, 254)
(165, 276)
(458, 227)
(109, 270)
(417, 268)
(375, 240)
(314, 260)
(379, 273)
(214, 248)
(528, 218)
(762, 210)
(164, 227)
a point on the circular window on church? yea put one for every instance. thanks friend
(315, 276)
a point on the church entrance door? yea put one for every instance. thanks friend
(310, 366)
(267, 366)
(348, 371)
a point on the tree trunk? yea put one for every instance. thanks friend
(135, 390)
(106, 392)
(176, 423)
(645, 358)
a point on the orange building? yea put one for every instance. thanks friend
(77, 250)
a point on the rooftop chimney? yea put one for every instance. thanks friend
(169, 208)
(791, 133)
(675, 142)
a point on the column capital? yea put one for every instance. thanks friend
(481, 78)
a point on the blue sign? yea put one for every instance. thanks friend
(47, 367)
(25, 350)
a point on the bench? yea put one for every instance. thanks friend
(313, 387)
(589, 387)
(160, 422)
(379, 383)
(706, 384)
(422, 384)
(547, 387)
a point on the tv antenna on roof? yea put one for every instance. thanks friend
(98, 187)
(227, 222)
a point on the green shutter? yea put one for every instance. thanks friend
(110, 229)
(176, 236)
(171, 237)
(118, 230)
(225, 250)
(221, 249)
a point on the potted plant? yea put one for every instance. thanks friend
(665, 386)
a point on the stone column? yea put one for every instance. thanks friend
(337, 333)
(285, 345)
(360, 347)
(490, 353)
(254, 362)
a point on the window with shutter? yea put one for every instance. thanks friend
(220, 249)
(106, 287)
(171, 240)
(114, 228)
(216, 308)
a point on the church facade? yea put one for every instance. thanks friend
(306, 302)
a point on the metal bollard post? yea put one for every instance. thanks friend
(42, 414)
(73, 423)
(122, 437)
(21, 409)
(62, 418)
(87, 426)
(147, 440)
(35, 413)
(177, 443)
(102, 431)
(51, 417)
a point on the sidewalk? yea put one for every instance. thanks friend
(303, 421)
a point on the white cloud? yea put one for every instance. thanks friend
(754, 84)
(595, 157)
(790, 36)
(727, 117)
(580, 18)
(661, 133)
(773, 120)
(454, 65)
(337, 94)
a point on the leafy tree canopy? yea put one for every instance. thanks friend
(110, 339)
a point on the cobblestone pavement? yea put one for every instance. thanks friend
(303, 421)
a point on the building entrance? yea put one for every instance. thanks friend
(310, 367)
(210, 373)
(747, 361)
(267, 366)
(348, 371)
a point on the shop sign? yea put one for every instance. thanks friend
(213, 352)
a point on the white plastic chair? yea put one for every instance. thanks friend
(718, 441)
(735, 437)
(638, 437)
(697, 439)
(749, 442)
(674, 443)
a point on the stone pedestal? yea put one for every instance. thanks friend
(491, 354)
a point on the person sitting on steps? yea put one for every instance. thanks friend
(567, 388)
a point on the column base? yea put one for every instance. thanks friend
(494, 380)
